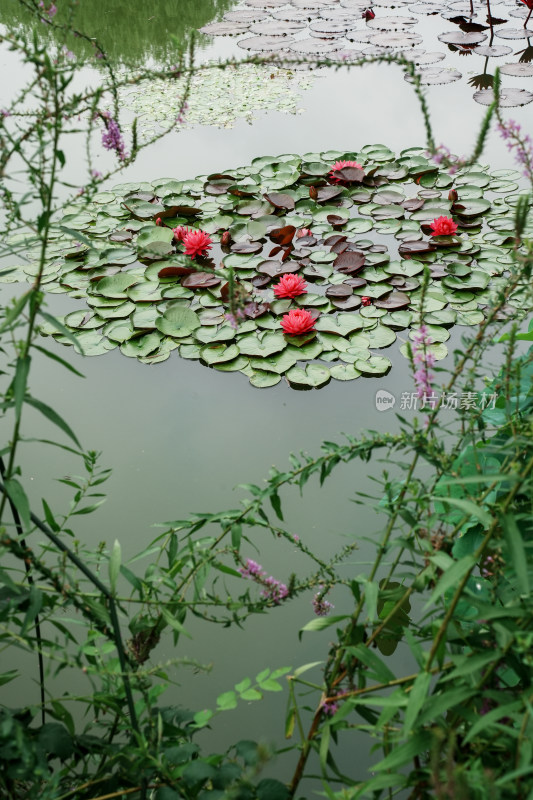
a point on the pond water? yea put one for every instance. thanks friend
(179, 436)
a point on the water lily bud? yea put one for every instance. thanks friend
(453, 196)
(159, 221)
(368, 14)
(225, 239)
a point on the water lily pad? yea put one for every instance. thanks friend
(374, 366)
(262, 344)
(141, 345)
(178, 321)
(312, 376)
(116, 285)
(341, 325)
(344, 372)
(263, 380)
(217, 353)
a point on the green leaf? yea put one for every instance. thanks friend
(236, 536)
(18, 497)
(131, 578)
(54, 417)
(201, 718)
(276, 505)
(469, 508)
(404, 753)
(36, 601)
(20, 382)
(371, 660)
(56, 740)
(417, 698)
(58, 359)
(15, 311)
(324, 747)
(55, 323)
(178, 321)
(485, 722)
(251, 694)
(517, 550)
(114, 565)
(173, 622)
(451, 577)
(321, 623)
(271, 789)
(227, 701)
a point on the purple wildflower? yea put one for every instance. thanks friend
(95, 174)
(112, 138)
(443, 154)
(181, 113)
(330, 707)
(423, 360)
(321, 606)
(50, 12)
(4, 112)
(522, 144)
(233, 319)
(273, 590)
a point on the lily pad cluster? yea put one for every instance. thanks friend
(360, 239)
(216, 97)
(342, 30)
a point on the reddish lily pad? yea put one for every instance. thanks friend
(200, 280)
(350, 261)
(326, 193)
(283, 236)
(395, 301)
(280, 200)
(175, 272)
(340, 292)
(409, 249)
(246, 248)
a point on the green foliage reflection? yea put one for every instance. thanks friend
(128, 32)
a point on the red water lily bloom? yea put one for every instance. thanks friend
(298, 321)
(180, 232)
(340, 165)
(197, 243)
(290, 285)
(443, 226)
(366, 301)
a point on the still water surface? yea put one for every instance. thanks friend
(180, 437)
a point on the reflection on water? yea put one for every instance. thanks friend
(129, 32)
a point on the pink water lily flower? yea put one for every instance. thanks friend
(338, 165)
(303, 232)
(197, 243)
(180, 232)
(298, 321)
(443, 226)
(290, 285)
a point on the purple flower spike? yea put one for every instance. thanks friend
(112, 138)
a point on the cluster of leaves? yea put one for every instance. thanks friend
(150, 299)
